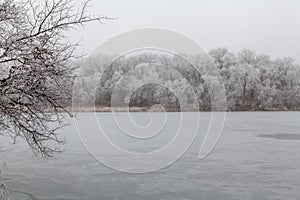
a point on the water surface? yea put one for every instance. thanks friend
(257, 157)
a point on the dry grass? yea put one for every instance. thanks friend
(108, 109)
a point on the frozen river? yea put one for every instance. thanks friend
(257, 157)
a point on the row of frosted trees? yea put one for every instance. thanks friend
(255, 82)
(251, 81)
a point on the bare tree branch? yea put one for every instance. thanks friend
(35, 92)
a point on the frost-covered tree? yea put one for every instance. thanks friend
(35, 82)
(252, 81)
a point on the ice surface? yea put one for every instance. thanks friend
(257, 157)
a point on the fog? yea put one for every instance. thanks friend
(269, 27)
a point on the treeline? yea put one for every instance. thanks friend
(253, 82)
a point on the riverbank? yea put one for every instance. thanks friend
(156, 108)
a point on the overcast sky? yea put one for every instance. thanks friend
(271, 27)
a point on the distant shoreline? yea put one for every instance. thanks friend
(107, 109)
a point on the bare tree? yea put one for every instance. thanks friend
(35, 82)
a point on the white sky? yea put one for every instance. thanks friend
(271, 27)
